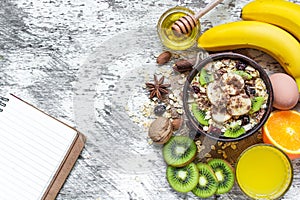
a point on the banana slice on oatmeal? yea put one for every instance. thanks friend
(239, 105)
(232, 83)
(219, 114)
(215, 94)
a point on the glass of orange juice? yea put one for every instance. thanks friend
(264, 172)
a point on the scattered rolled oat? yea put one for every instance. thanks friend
(233, 146)
(225, 145)
(198, 142)
(207, 155)
(200, 148)
(181, 81)
(179, 111)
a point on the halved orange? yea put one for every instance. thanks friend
(282, 129)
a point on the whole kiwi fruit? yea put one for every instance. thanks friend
(179, 151)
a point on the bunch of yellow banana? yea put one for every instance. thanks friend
(281, 13)
(270, 30)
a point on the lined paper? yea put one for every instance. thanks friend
(32, 148)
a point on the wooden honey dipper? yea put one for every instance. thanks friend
(185, 24)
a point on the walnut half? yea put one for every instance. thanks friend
(160, 130)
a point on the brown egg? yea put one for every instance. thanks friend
(285, 89)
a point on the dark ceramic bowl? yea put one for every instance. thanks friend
(188, 91)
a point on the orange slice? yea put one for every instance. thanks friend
(282, 129)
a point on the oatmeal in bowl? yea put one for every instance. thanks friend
(227, 96)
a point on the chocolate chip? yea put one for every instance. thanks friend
(245, 119)
(240, 65)
(196, 89)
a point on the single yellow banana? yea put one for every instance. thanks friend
(284, 14)
(268, 38)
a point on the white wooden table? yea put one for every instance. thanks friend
(85, 62)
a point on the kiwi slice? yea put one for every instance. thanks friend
(243, 74)
(179, 151)
(234, 131)
(205, 77)
(183, 179)
(224, 174)
(208, 183)
(256, 104)
(199, 114)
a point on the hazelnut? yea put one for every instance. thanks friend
(176, 123)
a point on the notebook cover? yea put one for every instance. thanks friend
(67, 164)
(65, 168)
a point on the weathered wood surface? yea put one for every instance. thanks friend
(84, 62)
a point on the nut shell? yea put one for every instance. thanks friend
(160, 130)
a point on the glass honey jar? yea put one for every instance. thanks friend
(168, 37)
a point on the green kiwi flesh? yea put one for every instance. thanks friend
(199, 115)
(234, 131)
(224, 174)
(183, 179)
(179, 151)
(243, 74)
(256, 104)
(207, 184)
(205, 77)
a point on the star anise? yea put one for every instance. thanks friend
(158, 89)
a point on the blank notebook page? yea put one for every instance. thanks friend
(32, 147)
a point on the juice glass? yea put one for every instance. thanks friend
(166, 34)
(264, 172)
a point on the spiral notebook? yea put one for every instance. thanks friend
(37, 151)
